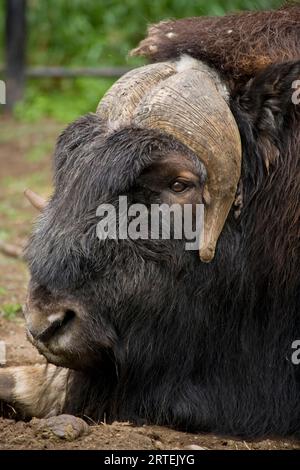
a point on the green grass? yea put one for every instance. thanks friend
(5, 234)
(39, 152)
(10, 311)
(14, 185)
(3, 291)
(7, 210)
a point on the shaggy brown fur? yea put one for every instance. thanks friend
(240, 44)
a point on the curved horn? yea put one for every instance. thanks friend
(189, 107)
(37, 201)
(119, 103)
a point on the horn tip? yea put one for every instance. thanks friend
(37, 201)
(207, 254)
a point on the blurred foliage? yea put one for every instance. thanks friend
(9, 311)
(95, 33)
(3, 291)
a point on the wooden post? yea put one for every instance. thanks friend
(15, 51)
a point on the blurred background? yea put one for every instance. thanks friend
(72, 35)
(91, 33)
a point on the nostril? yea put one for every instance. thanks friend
(69, 315)
(58, 322)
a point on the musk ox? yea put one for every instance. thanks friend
(143, 330)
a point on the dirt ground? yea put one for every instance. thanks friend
(25, 161)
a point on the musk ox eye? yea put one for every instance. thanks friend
(178, 186)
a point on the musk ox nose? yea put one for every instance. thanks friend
(45, 315)
(55, 323)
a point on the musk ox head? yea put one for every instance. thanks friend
(156, 139)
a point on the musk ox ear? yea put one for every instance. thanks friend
(269, 103)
